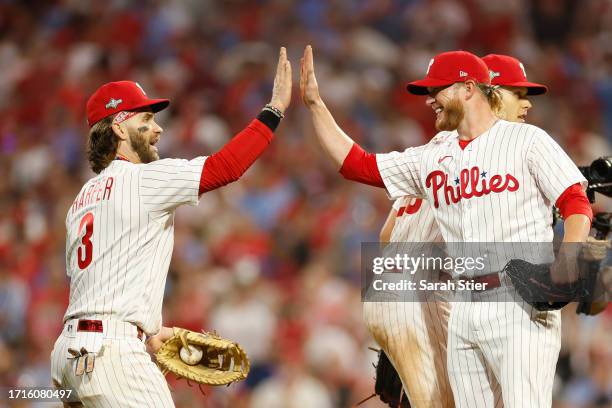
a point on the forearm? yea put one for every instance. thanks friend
(575, 208)
(235, 158)
(385, 232)
(576, 228)
(332, 138)
(565, 268)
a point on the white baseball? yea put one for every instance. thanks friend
(194, 358)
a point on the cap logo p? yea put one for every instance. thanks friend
(493, 74)
(140, 87)
(113, 103)
(431, 61)
(523, 69)
(462, 74)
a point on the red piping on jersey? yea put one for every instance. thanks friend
(361, 166)
(574, 201)
(230, 163)
(463, 143)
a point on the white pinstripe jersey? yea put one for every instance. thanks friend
(414, 221)
(120, 236)
(500, 188)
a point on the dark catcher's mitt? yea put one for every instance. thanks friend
(222, 361)
(388, 384)
(534, 284)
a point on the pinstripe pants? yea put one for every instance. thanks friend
(123, 375)
(500, 343)
(414, 337)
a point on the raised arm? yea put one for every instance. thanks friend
(335, 142)
(397, 172)
(234, 159)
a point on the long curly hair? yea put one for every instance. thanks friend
(102, 143)
(493, 97)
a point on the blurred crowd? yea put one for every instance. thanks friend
(273, 260)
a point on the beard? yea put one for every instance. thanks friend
(451, 116)
(140, 144)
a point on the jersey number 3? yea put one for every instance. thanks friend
(85, 252)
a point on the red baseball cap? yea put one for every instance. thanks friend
(451, 67)
(114, 97)
(509, 71)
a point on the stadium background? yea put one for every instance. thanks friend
(272, 260)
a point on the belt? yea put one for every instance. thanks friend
(488, 282)
(112, 327)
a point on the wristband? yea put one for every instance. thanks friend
(274, 110)
(269, 117)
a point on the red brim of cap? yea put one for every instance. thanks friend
(420, 87)
(532, 87)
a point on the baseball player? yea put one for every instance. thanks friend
(424, 324)
(487, 180)
(120, 235)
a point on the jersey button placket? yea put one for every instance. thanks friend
(466, 203)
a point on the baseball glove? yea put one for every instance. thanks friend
(388, 384)
(222, 362)
(534, 284)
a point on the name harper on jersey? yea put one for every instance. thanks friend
(468, 185)
(100, 190)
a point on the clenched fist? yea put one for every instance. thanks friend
(153, 343)
(594, 249)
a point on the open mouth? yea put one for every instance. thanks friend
(153, 142)
(438, 110)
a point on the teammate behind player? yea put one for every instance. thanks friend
(488, 181)
(509, 74)
(417, 348)
(120, 237)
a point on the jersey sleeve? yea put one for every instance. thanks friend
(400, 172)
(166, 184)
(551, 167)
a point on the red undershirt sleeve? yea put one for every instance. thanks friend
(230, 163)
(361, 166)
(574, 201)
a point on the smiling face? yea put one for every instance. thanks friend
(142, 135)
(515, 104)
(447, 106)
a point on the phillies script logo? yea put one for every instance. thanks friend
(470, 183)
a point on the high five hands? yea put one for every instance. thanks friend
(309, 89)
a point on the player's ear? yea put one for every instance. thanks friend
(120, 131)
(470, 88)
